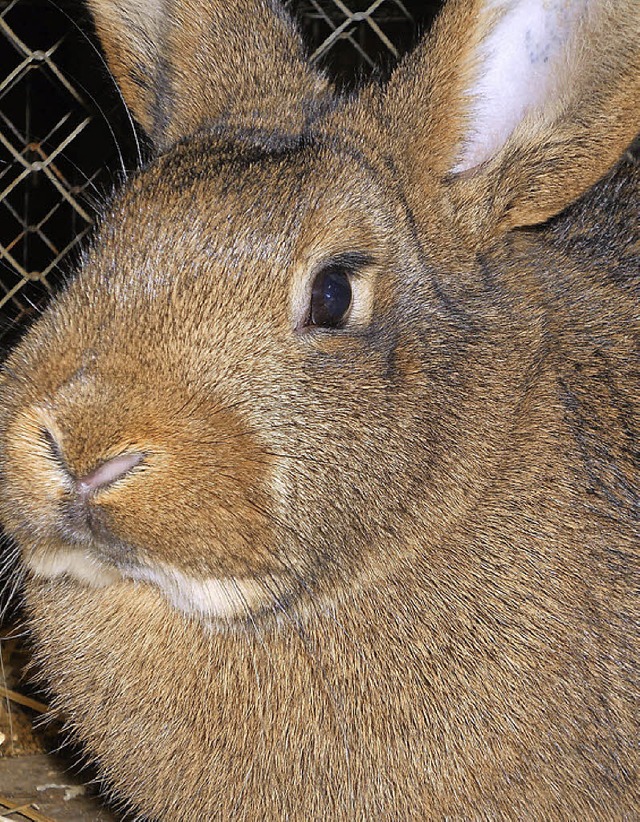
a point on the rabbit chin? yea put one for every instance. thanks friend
(208, 600)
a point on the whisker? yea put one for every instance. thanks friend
(100, 56)
(3, 672)
(317, 666)
(8, 595)
(256, 633)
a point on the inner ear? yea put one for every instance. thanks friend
(512, 109)
(519, 66)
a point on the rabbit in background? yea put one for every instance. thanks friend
(324, 468)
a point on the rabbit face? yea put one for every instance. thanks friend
(228, 415)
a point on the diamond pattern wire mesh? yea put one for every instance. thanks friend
(368, 36)
(52, 151)
(63, 139)
(30, 156)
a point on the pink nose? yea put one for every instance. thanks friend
(108, 473)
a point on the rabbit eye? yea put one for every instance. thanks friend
(330, 298)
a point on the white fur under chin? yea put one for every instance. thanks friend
(206, 599)
(75, 563)
(211, 598)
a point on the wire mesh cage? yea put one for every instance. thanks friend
(356, 38)
(65, 135)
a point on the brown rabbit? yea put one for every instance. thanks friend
(324, 469)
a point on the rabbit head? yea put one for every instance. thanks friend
(287, 464)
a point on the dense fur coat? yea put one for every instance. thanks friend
(385, 568)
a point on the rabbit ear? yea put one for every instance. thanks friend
(182, 64)
(525, 103)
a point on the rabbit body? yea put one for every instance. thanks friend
(380, 569)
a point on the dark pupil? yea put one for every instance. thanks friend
(330, 298)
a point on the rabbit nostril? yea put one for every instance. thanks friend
(108, 473)
(54, 449)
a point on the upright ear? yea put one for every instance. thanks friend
(518, 106)
(182, 64)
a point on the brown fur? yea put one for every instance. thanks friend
(438, 504)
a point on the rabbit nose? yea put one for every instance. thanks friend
(108, 472)
(80, 514)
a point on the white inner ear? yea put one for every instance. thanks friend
(520, 69)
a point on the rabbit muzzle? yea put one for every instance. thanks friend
(88, 504)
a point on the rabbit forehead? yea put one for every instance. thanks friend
(238, 216)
